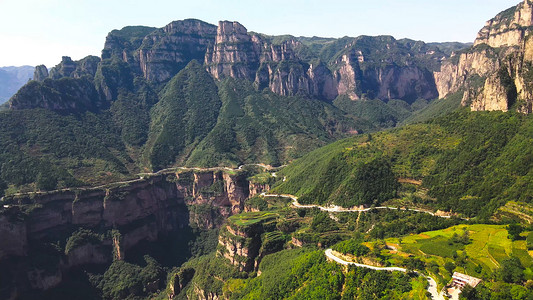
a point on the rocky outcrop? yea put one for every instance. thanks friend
(234, 54)
(64, 95)
(40, 73)
(495, 73)
(242, 240)
(75, 69)
(508, 28)
(371, 68)
(240, 246)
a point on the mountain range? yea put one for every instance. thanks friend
(12, 78)
(196, 94)
(200, 161)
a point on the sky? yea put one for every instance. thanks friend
(34, 32)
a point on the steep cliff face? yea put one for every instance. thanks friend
(276, 66)
(234, 54)
(166, 51)
(240, 245)
(159, 54)
(385, 68)
(495, 74)
(289, 67)
(508, 28)
(138, 210)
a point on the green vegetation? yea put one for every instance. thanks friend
(305, 274)
(352, 247)
(124, 280)
(529, 241)
(436, 108)
(377, 112)
(186, 113)
(82, 237)
(264, 127)
(463, 160)
(59, 150)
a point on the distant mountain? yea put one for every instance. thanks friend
(192, 93)
(12, 78)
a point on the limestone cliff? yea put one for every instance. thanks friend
(234, 54)
(508, 28)
(240, 245)
(159, 54)
(166, 51)
(385, 68)
(289, 67)
(364, 67)
(495, 74)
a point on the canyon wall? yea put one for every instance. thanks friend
(124, 213)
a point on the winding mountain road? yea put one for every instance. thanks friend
(432, 287)
(335, 208)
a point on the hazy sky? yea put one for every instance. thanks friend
(36, 32)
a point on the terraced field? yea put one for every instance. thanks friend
(488, 248)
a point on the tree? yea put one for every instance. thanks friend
(449, 266)
(468, 292)
(3, 187)
(514, 231)
(46, 181)
(511, 270)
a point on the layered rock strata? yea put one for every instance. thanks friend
(139, 210)
(495, 74)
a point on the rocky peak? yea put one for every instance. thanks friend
(494, 73)
(234, 54)
(40, 73)
(231, 32)
(508, 28)
(64, 69)
(166, 51)
(75, 69)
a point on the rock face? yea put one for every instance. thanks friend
(508, 28)
(139, 210)
(40, 73)
(165, 52)
(495, 74)
(233, 54)
(364, 67)
(159, 54)
(240, 245)
(285, 68)
(75, 69)
(64, 95)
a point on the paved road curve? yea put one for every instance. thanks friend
(432, 287)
